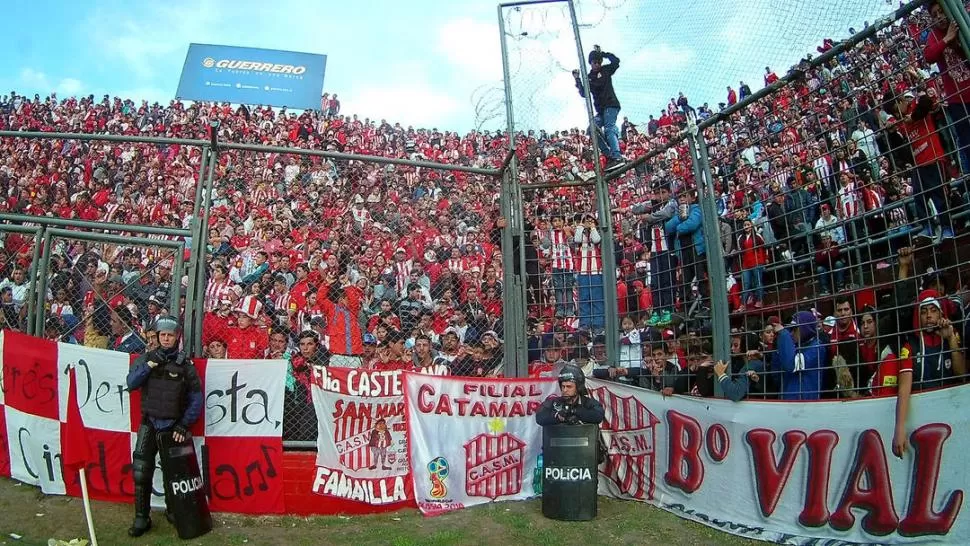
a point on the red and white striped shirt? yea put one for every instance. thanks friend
(559, 251)
(282, 301)
(402, 271)
(588, 258)
(456, 265)
(214, 292)
(848, 201)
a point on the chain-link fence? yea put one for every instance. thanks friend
(828, 181)
(330, 260)
(606, 248)
(21, 247)
(843, 201)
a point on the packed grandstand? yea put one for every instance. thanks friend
(822, 189)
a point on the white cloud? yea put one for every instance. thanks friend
(658, 59)
(160, 35)
(471, 46)
(415, 104)
(34, 79)
(69, 87)
(37, 82)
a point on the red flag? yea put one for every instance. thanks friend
(75, 450)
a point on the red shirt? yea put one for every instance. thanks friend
(886, 379)
(248, 343)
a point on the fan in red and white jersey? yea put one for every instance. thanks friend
(217, 287)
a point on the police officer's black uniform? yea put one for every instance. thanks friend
(171, 401)
(571, 411)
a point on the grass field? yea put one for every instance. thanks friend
(26, 511)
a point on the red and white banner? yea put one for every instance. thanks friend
(793, 473)
(238, 438)
(473, 440)
(362, 436)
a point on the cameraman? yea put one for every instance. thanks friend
(575, 406)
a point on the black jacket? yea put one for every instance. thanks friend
(601, 85)
(585, 410)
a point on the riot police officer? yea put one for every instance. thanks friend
(171, 401)
(575, 406)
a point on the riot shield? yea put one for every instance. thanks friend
(184, 487)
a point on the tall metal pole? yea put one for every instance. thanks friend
(174, 295)
(602, 208)
(713, 250)
(200, 272)
(511, 323)
(195, 252)
(514, 293)
(40, 311)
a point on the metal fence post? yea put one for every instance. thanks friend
(175, 293)
(40, 311)
(511, 312)
(195, 255)
(200, 272)
(603, 207)
(34, 276)
(515, 296)
(714, 252)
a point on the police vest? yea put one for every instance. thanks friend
(163, 395)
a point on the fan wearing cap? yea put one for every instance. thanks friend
(931, 357)
(125, 336)
(552, 360)
(574, 406)
(607, 106)
(171, 401)
(247, 340)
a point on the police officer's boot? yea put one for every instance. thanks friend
(143, 518)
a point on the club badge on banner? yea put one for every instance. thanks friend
(473, 441)
(793, 473)
(362, 436)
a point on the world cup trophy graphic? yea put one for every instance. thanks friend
(438, 471)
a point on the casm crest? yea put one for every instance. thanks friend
(437, 472)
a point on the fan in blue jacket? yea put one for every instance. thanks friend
(691, 225)
(801, 356)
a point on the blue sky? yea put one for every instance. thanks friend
(428, 63)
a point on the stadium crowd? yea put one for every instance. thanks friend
(834, 176)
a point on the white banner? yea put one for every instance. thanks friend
(793, 473)
(473, 440)
(244, 398)
(102, 389)
(362, 435)
(35, 450)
